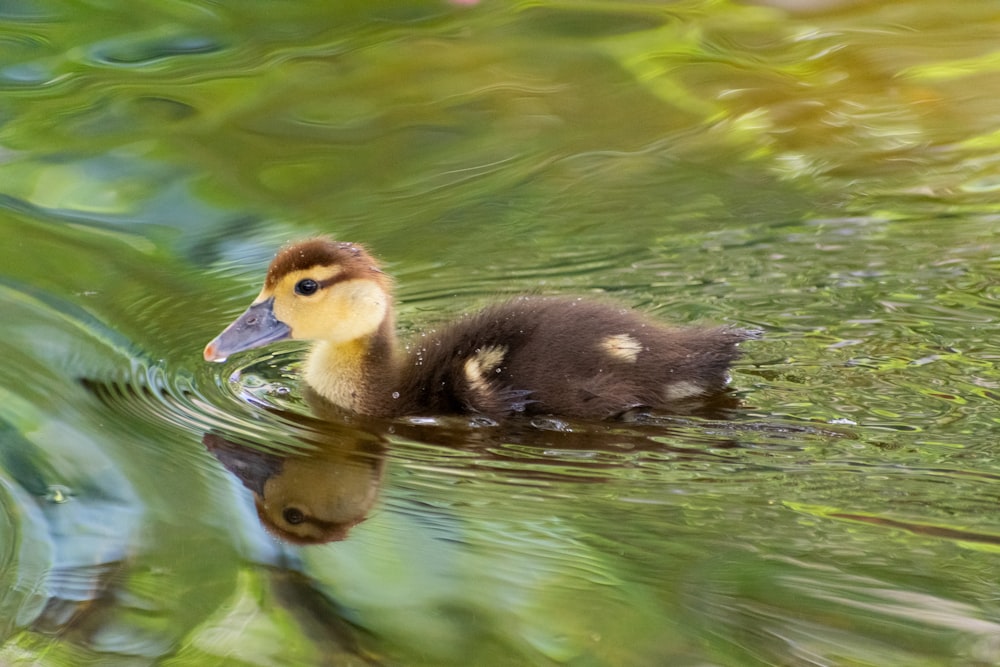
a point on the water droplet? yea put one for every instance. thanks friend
(395, 394)
(56, 493)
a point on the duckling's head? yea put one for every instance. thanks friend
(309, 498)
(314, 290)
(317, 500)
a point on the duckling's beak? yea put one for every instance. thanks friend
(256, 327)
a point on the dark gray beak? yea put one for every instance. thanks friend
(256, 327)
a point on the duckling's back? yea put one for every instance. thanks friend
(569, 357)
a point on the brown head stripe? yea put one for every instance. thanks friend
(333, 280)
(352, 258)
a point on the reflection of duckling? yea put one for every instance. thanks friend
(535, 355)
(307, 500)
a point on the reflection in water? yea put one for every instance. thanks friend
(319, 491)
(308, 498)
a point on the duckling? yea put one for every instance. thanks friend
(567, 357)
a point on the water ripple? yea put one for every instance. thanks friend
(141, 50)
(204, 402)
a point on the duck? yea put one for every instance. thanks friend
(559, 356)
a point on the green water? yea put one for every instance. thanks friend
(826, 173)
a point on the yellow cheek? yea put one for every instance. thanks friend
(313, 318)
(340, 313)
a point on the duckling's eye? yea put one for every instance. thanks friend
(293, 515)
(306, 286)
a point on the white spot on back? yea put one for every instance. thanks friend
(478, 367)
(678, 391)
(623, 347)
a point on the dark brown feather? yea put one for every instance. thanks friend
(555, 361)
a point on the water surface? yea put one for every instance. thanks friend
(825, 172)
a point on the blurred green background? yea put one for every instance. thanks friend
(826, 171)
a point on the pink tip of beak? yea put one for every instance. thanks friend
(210, 353)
